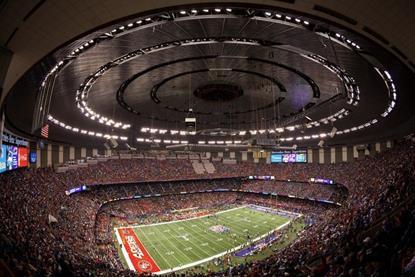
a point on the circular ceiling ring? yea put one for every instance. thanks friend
(125, 84)
(348, 81)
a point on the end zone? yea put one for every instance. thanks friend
(137, 257)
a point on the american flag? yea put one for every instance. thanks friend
(44, 132)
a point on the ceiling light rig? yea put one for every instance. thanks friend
(83, 91)
(353, 92)
(61, 124)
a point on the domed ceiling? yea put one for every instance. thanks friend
(242, 72)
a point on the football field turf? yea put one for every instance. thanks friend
(175, 245)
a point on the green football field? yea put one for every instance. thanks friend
(182, 244)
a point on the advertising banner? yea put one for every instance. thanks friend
(22, 155)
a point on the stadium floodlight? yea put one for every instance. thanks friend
(201, 142)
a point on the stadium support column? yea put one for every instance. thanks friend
(321, 155)
(49, 155)
(60, 154)
(244, 156)
(377, 147)
(39, 156)
(355, 153)
(388, 144)
(71, 153)
(344, 154)
(83, 152)
(94, 152)
(332, 155)
(309, 155)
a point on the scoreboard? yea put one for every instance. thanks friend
(12, 157)
(289, 156)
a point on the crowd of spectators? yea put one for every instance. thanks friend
(46, 232)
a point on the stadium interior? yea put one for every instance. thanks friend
(207, 138)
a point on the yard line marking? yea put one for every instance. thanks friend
(155, 248)
(220, 254)
(182, 245)
(180, 220)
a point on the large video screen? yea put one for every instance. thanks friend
(13, 157)
(3, 158)
(289, 156)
